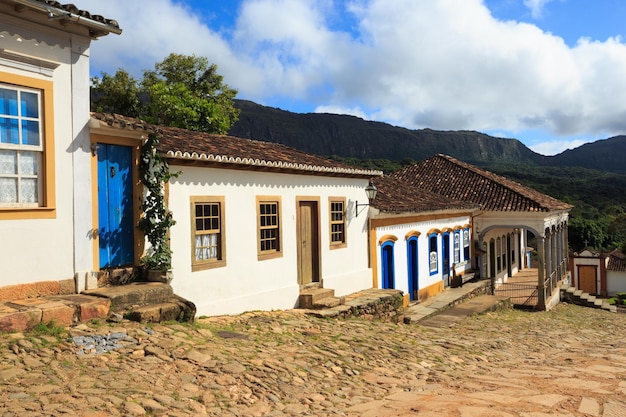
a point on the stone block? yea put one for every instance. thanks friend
(18, 321)
(94, 309)
(61, 315)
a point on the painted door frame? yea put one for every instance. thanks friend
(388, 276)
(308, 241)
(412, 256)
(137, 192)
(445, 259)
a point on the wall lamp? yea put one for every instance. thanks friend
(370, 192)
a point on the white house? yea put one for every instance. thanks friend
(597, 273)
(45, 156)
(420, 240)
(255, 221)
(509, 213)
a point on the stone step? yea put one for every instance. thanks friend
(328, 302)
(156, 313)
(311, 296)
(599, 302)
(136, 294)
(578, 293)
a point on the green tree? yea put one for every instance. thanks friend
(117, 93)
(182, 91)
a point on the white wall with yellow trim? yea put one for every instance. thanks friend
(50, 242)
(245, 282)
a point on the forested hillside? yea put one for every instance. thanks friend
(591, 177)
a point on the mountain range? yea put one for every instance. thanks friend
(344, 136)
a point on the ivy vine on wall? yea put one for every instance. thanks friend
(157, 219)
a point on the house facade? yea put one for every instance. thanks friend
(420, 241)
(597, 273)
(45, 209)
(510, 214)
(255, 221)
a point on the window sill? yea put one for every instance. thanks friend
(207, 265)
(272, 255)
(26, 213)
(338, 246)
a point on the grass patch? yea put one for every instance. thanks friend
(48, 329)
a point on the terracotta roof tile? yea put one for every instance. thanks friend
(76, 14)
(458, 180)
(397, 196)
(190, 147)
(617, 261)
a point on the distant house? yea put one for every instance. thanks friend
(597, 273)
(256, 221)
(46, 225)
(419, 240)
(509, 215)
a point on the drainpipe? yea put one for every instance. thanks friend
(57, 13)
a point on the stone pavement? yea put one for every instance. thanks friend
(570, 361)
(450, 297)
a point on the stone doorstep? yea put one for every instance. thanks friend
(309, 297)
(155, 313)
(123, 297)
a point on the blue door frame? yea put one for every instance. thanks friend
(445, 259)
(413, 268)
(387, 265)
(115, 209)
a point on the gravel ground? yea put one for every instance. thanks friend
(570, 361)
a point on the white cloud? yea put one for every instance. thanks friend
(554, 147)
(443, 64)
(536, 7)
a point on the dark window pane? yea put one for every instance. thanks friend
(29, 104)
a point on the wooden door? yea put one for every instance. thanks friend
(587, 279)
(308, 243)
(115, 208)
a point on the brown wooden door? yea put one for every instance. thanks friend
(587, 278)
(308, 243)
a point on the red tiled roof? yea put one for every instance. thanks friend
(397, 196)
(617, 261)
(191, 147)
(449, 177)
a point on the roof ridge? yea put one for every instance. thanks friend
(523, 191)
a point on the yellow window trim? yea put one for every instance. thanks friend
(278, 253)
(344, 243)
(47, 210)
(213, 263)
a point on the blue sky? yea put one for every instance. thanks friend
(547, 72)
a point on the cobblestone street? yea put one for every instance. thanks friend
(567, 362)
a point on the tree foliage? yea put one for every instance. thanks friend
(182, 91)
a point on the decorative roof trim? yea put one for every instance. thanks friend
(269, 164)
(98, 25)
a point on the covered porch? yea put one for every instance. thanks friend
(528, 283)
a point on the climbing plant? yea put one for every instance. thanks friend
(157, 219)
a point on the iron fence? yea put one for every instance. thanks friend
(521, 295)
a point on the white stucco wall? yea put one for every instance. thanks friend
(400, 231)
(615, 282)
(246, 283)
(34, 250)
(519, 252)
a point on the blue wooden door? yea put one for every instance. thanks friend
(115, 209)
(412, 268)
(388, 266)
